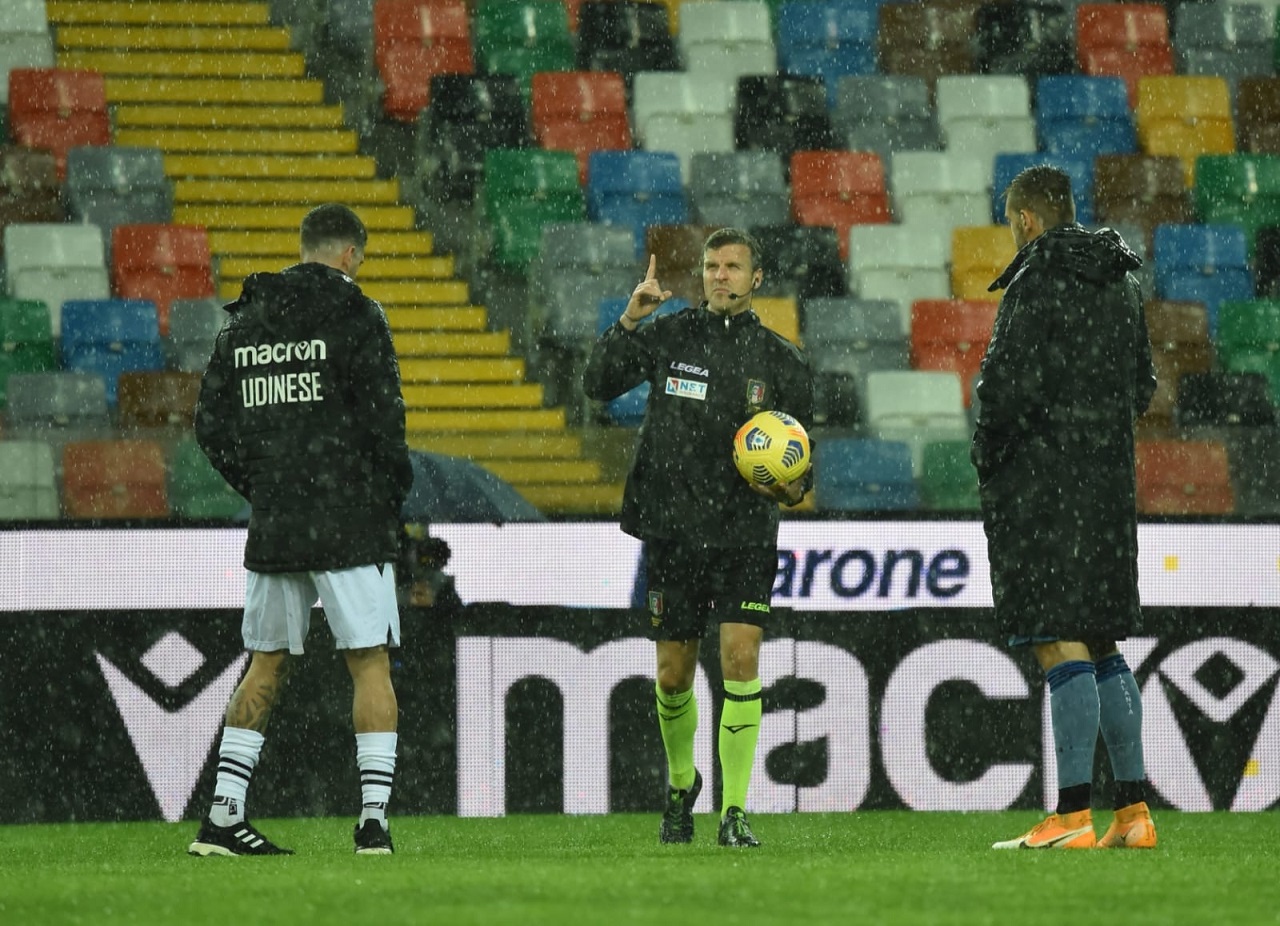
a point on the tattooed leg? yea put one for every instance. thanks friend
(250, 706)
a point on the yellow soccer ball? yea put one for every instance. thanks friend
(771, 447)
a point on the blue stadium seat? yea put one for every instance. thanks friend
(636, 188)
(1202, 263)
(829, 39)
(857, 474)
(1079, 116)
(1079, 169)
(110, 337)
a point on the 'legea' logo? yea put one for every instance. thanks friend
(172, 745)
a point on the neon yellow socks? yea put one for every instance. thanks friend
(739, 733)
(678, 720)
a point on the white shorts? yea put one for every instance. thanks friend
(359, 603)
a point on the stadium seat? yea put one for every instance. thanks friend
(1140, 189)
(1239, 189)
(854, 336)
(26, 340)
(678, 249)
(1183, 477)
(1266, 262)
(636, 188)
(901, 263)
(856, 474)
(1080, 169)
(1185, 117)
(780, 314)
(157, 400)
(579, 264)
(727, 38)
(114, 479)
(414, 40)
(915, 407)
(1079, 116)
(525, 189)
(521, 38)
(118, 185)
(54, 263)
(1223, 401)
(625, 36)
(28, 481)
(885, 114)
(1258, 115)
(469, 115)
(580, 111)
(58, 109)
(20, 48)
(56, 407)
(1129, 40)
(193, 328)
(737, 188)
(828, 40)
(684, 114)
(1254, 474)
(948, 481)
(1202, 263)
(1031, 39)
(802, 261)
(777, 112)
(1180, 345)
(110, 337)
(1248, 339)
(951, 335)
(927, 39)
(939, 190)
(840, 189)
(979, 254)
(196, 490)
(985, 115)
(160, 263)
(1224, 40)
(29, 189)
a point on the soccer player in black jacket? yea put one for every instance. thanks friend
(300, 410)
(710, 538)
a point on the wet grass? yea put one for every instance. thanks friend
(872, 867)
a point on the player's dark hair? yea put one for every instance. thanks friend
(332, 223)
(726, 236)
(1044, 190)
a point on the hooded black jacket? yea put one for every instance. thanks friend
(1067, 372)
(683, 485)
(300, 410)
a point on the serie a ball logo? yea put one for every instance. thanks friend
(771, 447)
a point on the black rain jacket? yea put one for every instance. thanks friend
(707, 376)
(300, 410)
(1067, 372)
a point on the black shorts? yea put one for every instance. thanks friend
(689, 587)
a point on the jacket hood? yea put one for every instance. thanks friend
(292, 302)
(1101, 256)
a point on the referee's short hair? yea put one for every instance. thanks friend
(1044, 190)
(726, 236)
(332, 223)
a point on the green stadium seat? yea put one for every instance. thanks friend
(525, 189)
(1249, 339)
(26, 340)
(1239, 189)
(196, 490)
(521, 38)
(948, 481)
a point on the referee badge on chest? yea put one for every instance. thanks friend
(755, 393)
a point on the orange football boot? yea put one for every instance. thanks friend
(1131, 829)
(1058, 831)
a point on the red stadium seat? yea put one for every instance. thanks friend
(114, 479)
(58, 109)
(1183, 477)
(413, 40)
(840, 189)
(1128, 40)
(951, 335)
(581, 111)
(161, 263)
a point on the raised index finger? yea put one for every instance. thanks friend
(653, 268)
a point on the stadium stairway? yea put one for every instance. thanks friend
(251, 146)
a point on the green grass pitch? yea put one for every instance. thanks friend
(863, 868)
